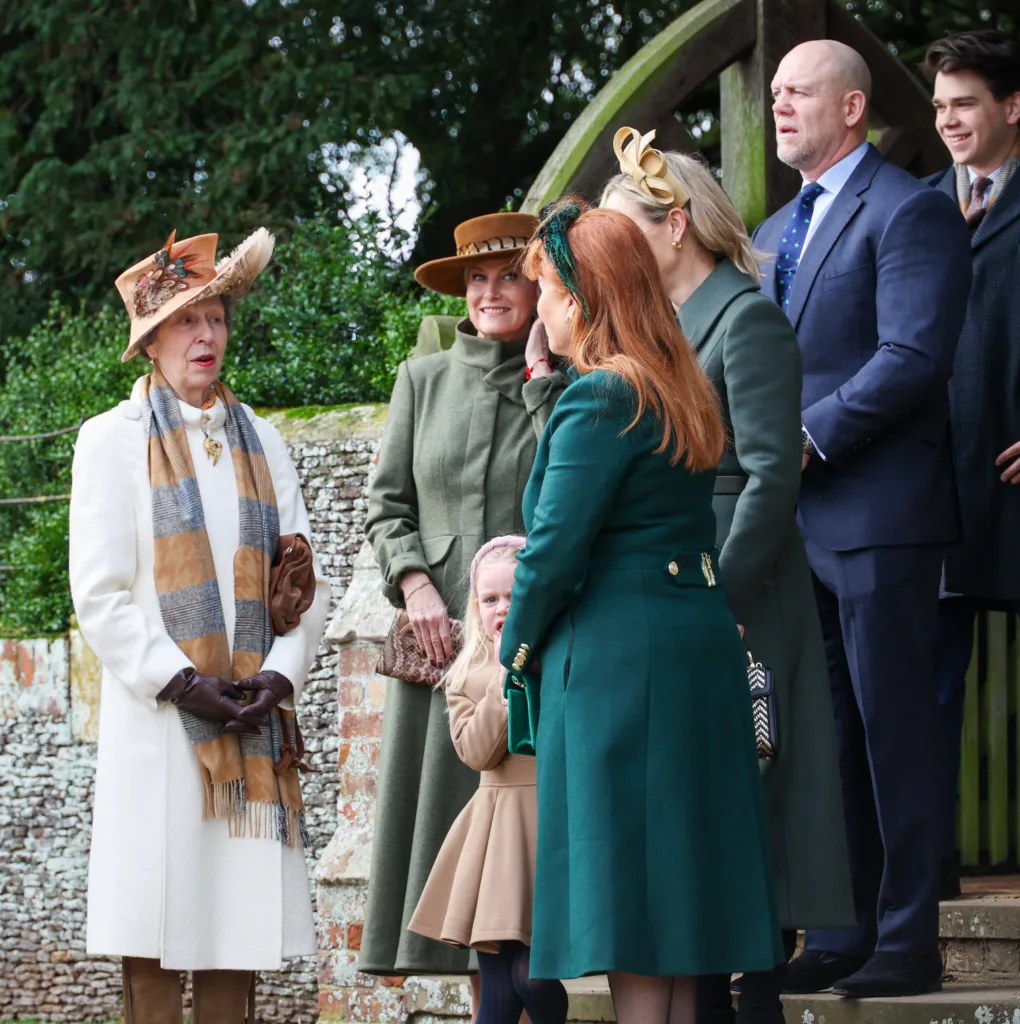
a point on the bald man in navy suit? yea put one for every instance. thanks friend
(873, 269)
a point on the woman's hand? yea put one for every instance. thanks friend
(536, 352)
(429, 617)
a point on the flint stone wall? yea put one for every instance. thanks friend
(49, 702)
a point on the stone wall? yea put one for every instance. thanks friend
(48, 730)
(358, 629)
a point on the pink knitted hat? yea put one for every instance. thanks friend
(509, 540)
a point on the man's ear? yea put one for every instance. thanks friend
(856, 108)
(1013, 108)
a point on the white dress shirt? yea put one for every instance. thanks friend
(832, 181)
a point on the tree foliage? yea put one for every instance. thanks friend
(328, 324)
(121, 119)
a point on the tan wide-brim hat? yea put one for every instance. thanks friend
(481, 238)
(184, 272)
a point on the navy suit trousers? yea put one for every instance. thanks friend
(879, 613)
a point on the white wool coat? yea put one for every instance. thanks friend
(164, 882)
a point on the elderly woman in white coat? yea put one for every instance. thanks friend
(179, 498)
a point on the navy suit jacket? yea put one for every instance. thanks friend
(878, 302)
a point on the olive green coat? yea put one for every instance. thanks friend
(456, 454)
(749, 351)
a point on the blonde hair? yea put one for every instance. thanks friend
(478, 648)
(711, 217)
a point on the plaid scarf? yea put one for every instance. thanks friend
(1002, 179)
(241, 784)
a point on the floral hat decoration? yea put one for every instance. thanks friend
(184, 272)
(648, 167)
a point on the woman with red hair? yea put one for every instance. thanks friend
(653, 864)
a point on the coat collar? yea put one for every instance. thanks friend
(503, 362)
(1003, 212)
(482, 353)
(703, 310)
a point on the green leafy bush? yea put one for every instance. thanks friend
(327, 326)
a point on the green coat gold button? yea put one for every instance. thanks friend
(673, 568)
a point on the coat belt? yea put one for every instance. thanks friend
(729, 484)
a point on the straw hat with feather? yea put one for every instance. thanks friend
(184, 272)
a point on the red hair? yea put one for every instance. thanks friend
(632, 332)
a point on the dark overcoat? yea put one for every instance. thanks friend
(456, 455)
(984, 397)
(749, 350)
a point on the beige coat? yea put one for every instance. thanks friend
(481, 889)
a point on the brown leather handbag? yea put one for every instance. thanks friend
(291, 582)
(402, 657)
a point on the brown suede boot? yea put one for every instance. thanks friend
(223, 997)
(152, 995)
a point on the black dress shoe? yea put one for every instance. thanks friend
(893, 974)
(815, 970)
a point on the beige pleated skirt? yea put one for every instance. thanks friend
(481, 889)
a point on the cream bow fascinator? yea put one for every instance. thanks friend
(648, 168)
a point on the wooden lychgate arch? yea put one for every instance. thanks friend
(742, 41)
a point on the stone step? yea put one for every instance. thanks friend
(980, 938)
(956, 1004)
(590, 1003)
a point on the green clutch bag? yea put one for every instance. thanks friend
(521, 693)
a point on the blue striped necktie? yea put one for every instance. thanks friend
(788, 255)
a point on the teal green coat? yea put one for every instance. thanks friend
(749, 351)
(455, 457)
(653, 856)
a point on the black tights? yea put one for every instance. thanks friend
(507, 988)
(759, 1001)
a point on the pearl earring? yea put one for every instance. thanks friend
(677, 244)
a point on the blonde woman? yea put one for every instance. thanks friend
(480, 892)
(748, 349)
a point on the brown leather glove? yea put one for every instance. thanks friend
(206, 697)
(267, 689)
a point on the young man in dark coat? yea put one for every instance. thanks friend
(976, 78)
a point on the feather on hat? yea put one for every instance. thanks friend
(181, 273)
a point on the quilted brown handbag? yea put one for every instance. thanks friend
(402, 657)
(291, 582)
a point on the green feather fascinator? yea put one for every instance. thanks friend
(555, 222)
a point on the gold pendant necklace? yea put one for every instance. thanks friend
(213, 448)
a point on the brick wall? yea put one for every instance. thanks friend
(48, 722)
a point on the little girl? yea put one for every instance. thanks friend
(481, 888)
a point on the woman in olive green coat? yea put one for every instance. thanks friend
(709, 270)
(456, 452)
